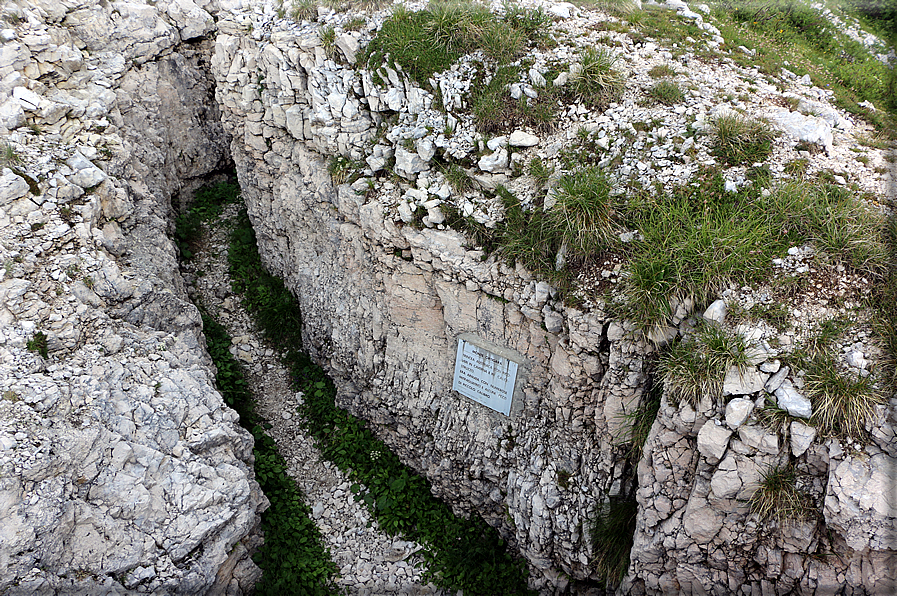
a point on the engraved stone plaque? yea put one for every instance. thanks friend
(484, 376)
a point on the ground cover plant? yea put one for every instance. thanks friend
(793, 31)
(292, 557)
(428, 41)
(460, 553)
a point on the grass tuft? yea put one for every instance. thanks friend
(842, 404)
(741, 140)
(583, 217)
(611, 533)
(777, 496)
(696, 366)
(666, 92)
(595, 81)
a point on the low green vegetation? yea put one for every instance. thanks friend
(741, 140)
(292, 557)
(698, 239)
(667, 93)
(495, 111)
(662, 70)
(792, 34)
(465, 554)
(778, 498)
(428, 41)
(582, 218)
(696, 366)
(842, 403)
(207, 204)
(611, 532)
(594, 80)
(38, 343)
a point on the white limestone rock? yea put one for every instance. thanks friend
(743, 381)
(726, 482)
(801, 437)
(520, 138)
(192, 21)
(791, 400)
(716, 312)
(348, 45)
(495, 162)
(737, 412)
(408, 163)
(811, 129)
(12, 187)
(713, 439)
(12, 116)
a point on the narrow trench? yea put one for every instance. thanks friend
(368, 561)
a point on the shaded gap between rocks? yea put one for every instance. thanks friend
(459, 553)
(293, 557)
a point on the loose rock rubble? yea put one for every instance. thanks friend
(370, 562)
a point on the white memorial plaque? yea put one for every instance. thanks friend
(484, 376)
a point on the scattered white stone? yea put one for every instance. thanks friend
(521, 138)
(801, 437)
(737, 411)
(743, 381)
(716, 312)
(791, 400)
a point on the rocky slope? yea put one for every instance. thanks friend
(122, 471)
(386, 288)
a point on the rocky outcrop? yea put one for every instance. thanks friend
(386, 289)
(122, 469)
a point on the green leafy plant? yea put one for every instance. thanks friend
(206, 206)
(38, 343)
(739, 140)
(638, 423)
(457, 177)
(838, 223)
(10, 155)
(697, 239)
(328, 39)
(344, 170)
(428, 41)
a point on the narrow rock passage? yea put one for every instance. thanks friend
(370, 562)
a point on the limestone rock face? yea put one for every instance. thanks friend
(121, 469)
(386, 291)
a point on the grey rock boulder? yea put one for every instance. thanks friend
(713, 440)
(791, 400)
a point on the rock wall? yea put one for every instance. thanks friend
(384, 303)
(121, 469)
(386, 289)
